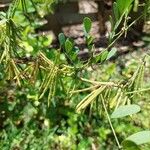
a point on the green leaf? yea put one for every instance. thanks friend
(68, 45)
(62, 39)
(123, 5)
(48, 40)
(2, 22)
(136, 5)
(104, 55)
(89, 40)
(111, 53)
(140, 137)
(87, 24)
(115, 11)
(129, 145)
(125, 110)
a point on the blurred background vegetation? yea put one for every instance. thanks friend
(41, 73)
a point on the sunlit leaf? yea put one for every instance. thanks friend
(87, 24)
(48, 40)
(123, 5)
(111, 53)
(68, 45)
(104, 55)
(115, 11)
(125, 110)
(140, 137)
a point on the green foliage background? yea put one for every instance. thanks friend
(39, 86)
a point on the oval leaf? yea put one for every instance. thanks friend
(111, 53)
(68, 45)
(61, 38)
(123, 5)
(115, 11)
(104, 55)
(140, 137)
(126, 110)
(87, 24)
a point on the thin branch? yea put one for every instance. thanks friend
(117, 141)
(85, 89)
(99, 83)
(138, 91)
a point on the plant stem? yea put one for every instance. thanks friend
(109, 120)
(99, 83)
(85, 89)
(138, 91)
